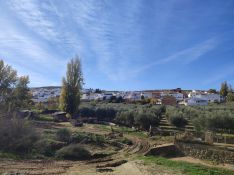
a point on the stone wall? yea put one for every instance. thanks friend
(208, 152)
(169, 151)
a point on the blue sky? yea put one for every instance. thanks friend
(123, 44)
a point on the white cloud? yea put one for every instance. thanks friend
(27, 54)
(29, 12)
(185, 56)
(110, 35)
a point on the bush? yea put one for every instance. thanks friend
(178, 121)
(125, 118)
(88, 138)
(73, 152)
(126, 141)
(48, 147)
(87, 112)
(79, 137)
(99, 139)
(145, 120)
(17, 136)
(63, 135)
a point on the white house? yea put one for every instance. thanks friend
(44, 93)
(178, 96)
(196, 102)
(85, 97)
(192, 94)
(210, 97)
(147, 94)
(99, 96)
(133, 96)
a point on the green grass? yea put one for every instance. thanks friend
(47, 118)
(124, 130)
(184, 167)
(9, 155)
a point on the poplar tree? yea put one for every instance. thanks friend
(71, 87)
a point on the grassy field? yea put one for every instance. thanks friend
(185, 167)
(124, 130)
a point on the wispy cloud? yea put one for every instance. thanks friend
(185, 56)
(108, 33)
(117, 40)
(29, 12)
(26, 54)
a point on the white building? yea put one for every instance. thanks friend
(193, 94)
(196, 102)
(178, 96)
(210, 97)
(44, 93)
(92, 96)
(147, 94)
(133, 96)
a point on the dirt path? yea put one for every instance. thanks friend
(34, 167)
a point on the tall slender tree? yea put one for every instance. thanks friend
(71, 87)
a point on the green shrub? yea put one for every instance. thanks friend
(99, 139)
(63, 135)
(178, 121)
(44, 117)
(88, 138)
(126, 141)
(145, 119)
(73, 152)
(48, 147)
(79, 137)
(17, 135)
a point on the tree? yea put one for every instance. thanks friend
(71, 87)
(8, 78)
(21, 96)
(224, 89)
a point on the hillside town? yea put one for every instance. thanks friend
(158, 97)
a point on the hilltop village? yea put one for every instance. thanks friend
(157, 97)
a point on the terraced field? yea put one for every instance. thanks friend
(167, 127)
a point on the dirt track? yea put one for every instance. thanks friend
(119, 163)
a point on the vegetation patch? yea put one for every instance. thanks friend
(63, 135)
(73, 152)
(44, 117)
(17, 136)
(184, 167)
(48, 147)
